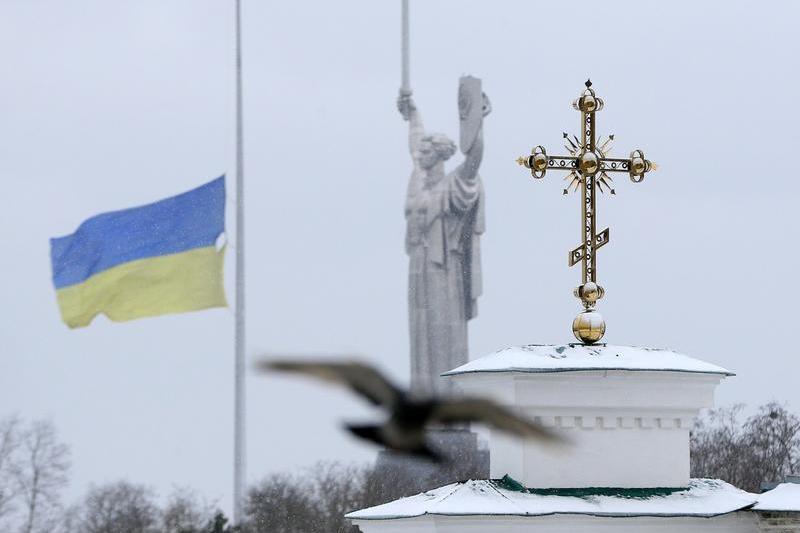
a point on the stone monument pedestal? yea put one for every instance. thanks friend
(465, 459)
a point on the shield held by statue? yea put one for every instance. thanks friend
(470, 110)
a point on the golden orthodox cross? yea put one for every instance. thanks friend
(589, 166)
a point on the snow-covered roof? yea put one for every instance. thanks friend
(703, 498)
(575, 357)
(784, 497)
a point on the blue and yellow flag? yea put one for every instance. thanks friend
(145, 261)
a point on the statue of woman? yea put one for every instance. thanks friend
(444, 216)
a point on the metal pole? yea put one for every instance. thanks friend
(239, 449)
(405, 84)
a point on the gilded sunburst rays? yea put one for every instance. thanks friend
(576, 148)
(573, 180)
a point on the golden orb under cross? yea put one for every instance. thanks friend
(589, 326)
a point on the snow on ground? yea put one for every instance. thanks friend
(572, 357)
(703, 498)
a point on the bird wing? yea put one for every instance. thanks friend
(491, 414)
(361, 378)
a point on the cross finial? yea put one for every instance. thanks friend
(589, 166)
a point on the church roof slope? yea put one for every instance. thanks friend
(577, 357)
(703, 498)
(784, 497)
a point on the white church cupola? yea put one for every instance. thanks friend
(625, 413)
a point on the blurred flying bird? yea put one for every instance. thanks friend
(404, 430)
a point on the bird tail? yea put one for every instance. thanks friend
(374, 434)
(370, 433)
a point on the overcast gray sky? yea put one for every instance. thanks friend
(106, 105)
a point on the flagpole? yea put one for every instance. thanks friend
(239, 449)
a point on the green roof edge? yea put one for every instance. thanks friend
(511, 484)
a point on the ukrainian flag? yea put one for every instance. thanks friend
(151, 260)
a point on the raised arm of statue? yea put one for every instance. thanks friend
(416, 130)
(473, 105)
(465, 185)
(468, 170)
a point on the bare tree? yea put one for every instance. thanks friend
(717, 444)
(119, 507)
(765, 447)
(282, 504)
(9, 444)
(337, 490)
(185, 513)
(773, 440)
(68, 521)
(316, 500)
(40, 473)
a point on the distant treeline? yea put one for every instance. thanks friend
(34, 471)
(764, 447)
